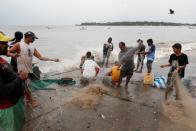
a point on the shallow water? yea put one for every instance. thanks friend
(69, 43)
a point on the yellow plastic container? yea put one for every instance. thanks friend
(115, 73)
(148, 79)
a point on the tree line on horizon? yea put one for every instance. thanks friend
(137, 23)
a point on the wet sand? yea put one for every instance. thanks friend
(143, 112)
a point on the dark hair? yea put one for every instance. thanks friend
(30, 34)
(18, 35)
(88, 54)
(109, 39)
(122, 43)
(139, 40)
(150, 41)
(177, 46)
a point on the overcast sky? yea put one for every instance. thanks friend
(70, 12)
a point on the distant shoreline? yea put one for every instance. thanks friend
(137, 23)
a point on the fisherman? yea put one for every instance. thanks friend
(141, 57)
(150, 55)
(177, 61)
(107, 49)
(26, 52)
(90, 68)
(83, 58)
(180, 57)
(18, 37)
(11, 92)
(126, 60)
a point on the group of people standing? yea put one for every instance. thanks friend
(141, 52)
(126, 59)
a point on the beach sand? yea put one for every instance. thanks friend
(143, 111)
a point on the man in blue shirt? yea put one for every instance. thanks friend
(150, 55)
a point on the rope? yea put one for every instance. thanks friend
(108, 94)
(45, 75)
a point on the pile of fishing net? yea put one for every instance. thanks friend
(89, 96)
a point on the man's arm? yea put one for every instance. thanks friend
(96, 65)
(181, 67)
(166, 65)
(169, 62)
(39, 56)
(144, 52)
(15, 48)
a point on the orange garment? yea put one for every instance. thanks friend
(115, 73)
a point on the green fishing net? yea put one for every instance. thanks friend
(43, 84)
(12, 119)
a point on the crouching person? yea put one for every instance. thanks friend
(90, 70)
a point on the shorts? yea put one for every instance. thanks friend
(149, 64)
(128, 72)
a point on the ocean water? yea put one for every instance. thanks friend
(69, 43)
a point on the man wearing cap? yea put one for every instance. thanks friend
(11, 92)
(26, 52)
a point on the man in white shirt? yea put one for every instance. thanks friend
(90, 68)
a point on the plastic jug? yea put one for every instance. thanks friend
(148, 79)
